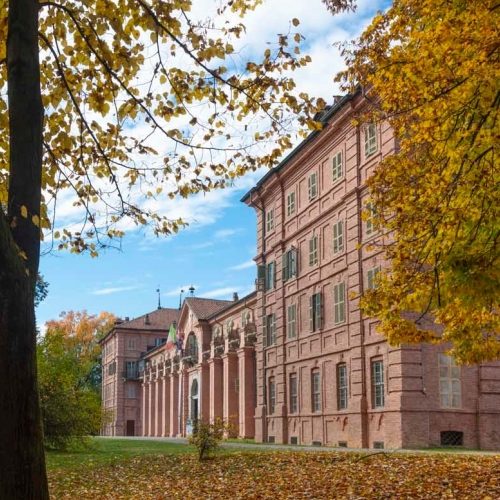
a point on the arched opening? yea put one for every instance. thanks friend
(194, 402)
(192, 347)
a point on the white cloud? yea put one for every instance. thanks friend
(184, 289)
(244, 265)
(117, 289)
(225, 233)
(222, 292)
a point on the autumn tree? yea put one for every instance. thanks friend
(87, 86)
(69, 367)
(432, 69)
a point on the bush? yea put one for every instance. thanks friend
(207, 435)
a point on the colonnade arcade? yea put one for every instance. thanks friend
(179, 386)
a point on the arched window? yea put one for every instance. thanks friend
(192, 347)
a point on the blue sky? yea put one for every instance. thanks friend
(214, 254)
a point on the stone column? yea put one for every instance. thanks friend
(158, 405)
(145, 403)
(184, 399)
(247, 392)
(204, 391)
(174, 403)
(216, 390)
(165, 413)
(231, 406)
(151, 419)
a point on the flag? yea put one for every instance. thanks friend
(178, 344)
(172, 337)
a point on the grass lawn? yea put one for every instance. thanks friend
(110, 451)
(149, 470)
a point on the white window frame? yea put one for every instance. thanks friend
(271, 329)
(339, 303)
(316, 391)
(373, 277)
(270, 220)
(272, 396)
(450, 383)
(370, 223)
(370, 139)
(342, 387)
(316, 312)
(338, 237)
(290, 203)
(378, 384)
(312, 186)
(294, 393)
(289, 264)
(270, 275)
(337, 166)
(313, 250)
(291, 321)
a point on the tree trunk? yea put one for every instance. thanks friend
(22, 461)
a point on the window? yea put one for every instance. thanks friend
(378, 383)
(370, 139)
(192, 347)
(313, 251)
(272, 396)
(373, 277)
(291, 321)
(370, 218)
(315, 312)
(290, 203)
(270, 220)
(337, 169)
(312, 186)
(338, 237)
(294, 400)
(271, 329)
(289, 264)
(449, 382)
(158, 342)
(270, 270)
(131, 369)
(316, 392)
(339, 303)
(245, 318)
(112, 368)
(130, 390)
(342, 386)
(131, 344)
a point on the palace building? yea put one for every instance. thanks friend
(295, 361)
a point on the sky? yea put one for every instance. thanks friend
(214, 254)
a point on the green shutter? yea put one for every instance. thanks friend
(318, 311)
(342, 302)
(284, 266)
(311, 251)
(370, 279)
(311, 313)
(264, 332)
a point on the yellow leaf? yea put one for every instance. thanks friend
(24, 212)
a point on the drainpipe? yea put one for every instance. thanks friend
(364, 403)
(263, 315)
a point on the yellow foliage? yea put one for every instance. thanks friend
(434, 68)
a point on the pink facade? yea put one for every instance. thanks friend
(295, 362)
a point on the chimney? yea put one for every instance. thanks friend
(118, 321)
(146, 320)
(127, 318)
(235, 297)
(337, 98)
